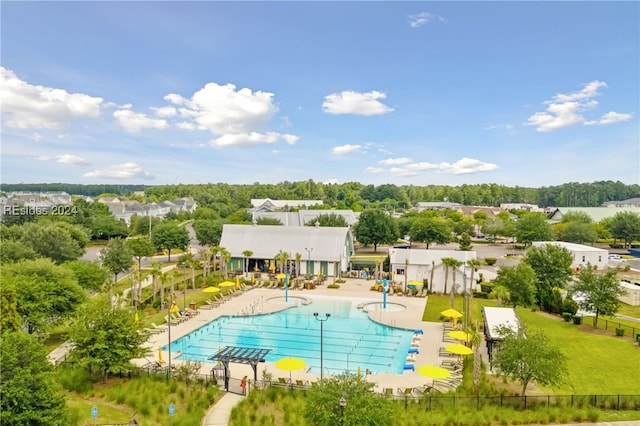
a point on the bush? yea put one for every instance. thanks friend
(490, 260)
(569, 305)
(333, 286)
(619, 332)
(577, 320)
(480, 294)
(486, 288)
(567, 316)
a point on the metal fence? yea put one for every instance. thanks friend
(611, 325)
(444, 402)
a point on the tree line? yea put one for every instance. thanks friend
(227, 198)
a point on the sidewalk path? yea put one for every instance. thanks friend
(220, 413)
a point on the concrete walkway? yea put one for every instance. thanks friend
(220, 413)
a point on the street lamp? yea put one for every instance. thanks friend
(309, 250)
(343, 403)
(322, 320)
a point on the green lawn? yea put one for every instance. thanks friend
(598, 363)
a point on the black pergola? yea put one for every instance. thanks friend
(251, 356)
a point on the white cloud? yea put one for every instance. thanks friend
(566, 109)
(253, 138)
(28, 106)
(462, 166)
(610, 118)
(423, 18)
(125, 171)
(395, 161)
(133, 122)
(166, 111)
(70, 159)
(467, 166)
(509, 128)
(345, 149)
(374, 170)
(350, 102)
(235, 117)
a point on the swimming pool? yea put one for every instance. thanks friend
(350, 339)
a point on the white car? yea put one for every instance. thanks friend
(615, 258)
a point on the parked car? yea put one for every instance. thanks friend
(615, 257)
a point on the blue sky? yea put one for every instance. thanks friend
(446, 93)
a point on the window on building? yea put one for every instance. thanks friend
(400, 271)
(583, 259)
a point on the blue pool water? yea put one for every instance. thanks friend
(350, 338)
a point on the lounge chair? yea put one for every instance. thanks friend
(173, 321)
(158, 327)
(302, 382)
(388, 391)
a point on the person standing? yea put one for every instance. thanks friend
(243, 385)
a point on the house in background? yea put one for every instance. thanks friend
(322, 250)
(420, 264)
(269, 205)
(305, 217)
(582, 254)
(494, 319)
(555, 215)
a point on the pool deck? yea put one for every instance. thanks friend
(253, 301)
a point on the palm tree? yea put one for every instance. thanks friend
(447, 262)
(156, 271)
(475, 264)
(501, 293)
(281, 259)
(298, 257)
(165, 277)
(247, 254)
(476, 341)
(455, 264)
(225, 257)
(135, 279)
(205, 255)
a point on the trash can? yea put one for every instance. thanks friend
(193, 306)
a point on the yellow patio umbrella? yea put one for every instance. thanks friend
(272, 267)
(433, 372)
(281, 276)
(238, 282)
(415, 282)
(290, 364)
(227, 284)
(160, 355)
(451, 313)
(458, 349)
(460, 335)
(211, 289)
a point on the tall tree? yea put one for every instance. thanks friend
(431, 230)
(552, 265)
(30, 388)
(600, 292)
(46, 293)
(169, 236)
(528, 355)
(141, 247)
(208, 231)
(363, 406)
(375, 227)
(117, 258)
(106, 338)
(59, 241)
(520, 281)
(626, 227)
(533, 227)
(89, 274)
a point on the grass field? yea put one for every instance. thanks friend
(598, 361)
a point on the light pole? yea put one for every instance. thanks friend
(343, 404)
(309, 250)
(322, 320)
